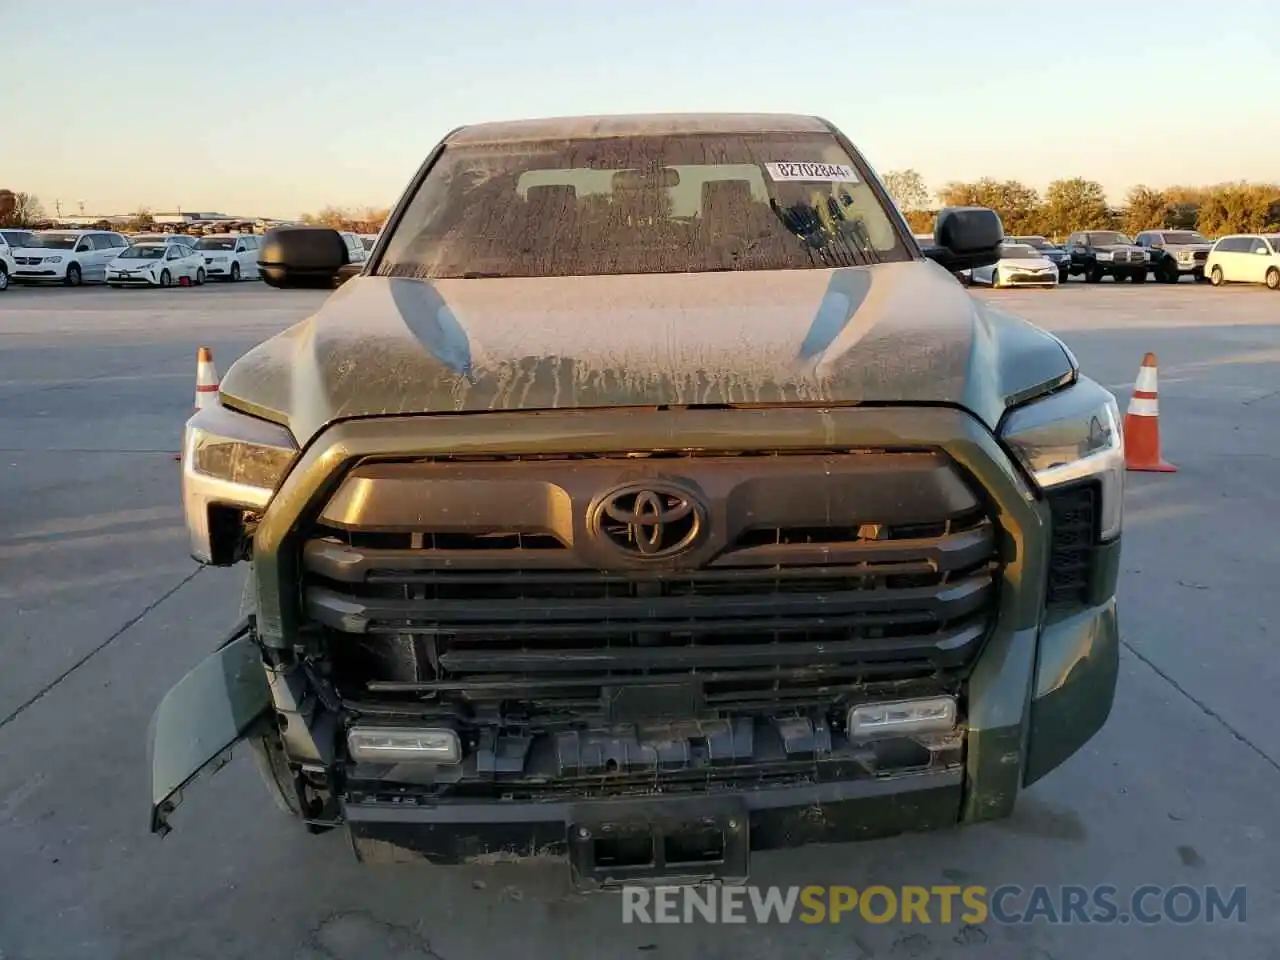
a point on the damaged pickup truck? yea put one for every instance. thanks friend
(649, 497)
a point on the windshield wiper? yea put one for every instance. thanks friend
(832, 249)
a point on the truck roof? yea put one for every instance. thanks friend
(640, 124)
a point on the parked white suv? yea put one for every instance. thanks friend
(229, 256)
(10, 240)
(1245, 258)
(67, 256)
(356, 251)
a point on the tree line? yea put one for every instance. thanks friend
(1065, 206)
(1076, 203)
(362, 220)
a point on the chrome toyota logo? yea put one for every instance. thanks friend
(649, 520)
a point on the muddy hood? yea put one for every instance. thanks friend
(891, 333)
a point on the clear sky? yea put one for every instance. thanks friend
(276, 107)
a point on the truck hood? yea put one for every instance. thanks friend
(890, 333)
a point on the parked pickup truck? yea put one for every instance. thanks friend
(1175, 253)
(1104, 253)
(651, 497)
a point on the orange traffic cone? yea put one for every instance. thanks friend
(206, 382)
(206, 379)
(1142, 424)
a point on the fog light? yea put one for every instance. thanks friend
(928, 715)
(403, 745)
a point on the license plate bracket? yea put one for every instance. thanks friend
(659, 843)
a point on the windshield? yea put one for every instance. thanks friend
(1184, 236)
(636, 205)
(1108, 238)
(216, 243)
(53, 241)
(142, 253)
(15, 238)
(1018, 251)
(1039, 243)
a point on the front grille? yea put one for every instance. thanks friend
(1075, 534)
(27, 261)
(477, 587)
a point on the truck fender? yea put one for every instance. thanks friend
(202, 717)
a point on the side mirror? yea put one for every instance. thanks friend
(301, 257)
(966, 237)
(1262, 252)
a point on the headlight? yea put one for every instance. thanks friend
(52, 259)
(230, 463)
(1072, 436)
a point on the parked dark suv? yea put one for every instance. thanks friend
(649, 498)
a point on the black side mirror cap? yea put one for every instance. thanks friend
(302, 257)
(966, 237)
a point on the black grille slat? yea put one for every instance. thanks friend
(1072, 547)
(335, 560)
(345, 612)
(702, 657)
(826, 674)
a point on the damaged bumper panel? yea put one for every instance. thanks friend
(202, 718)
(663, 840)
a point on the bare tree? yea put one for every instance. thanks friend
(907, 189)
(19, 209)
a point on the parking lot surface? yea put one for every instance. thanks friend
(101, 612)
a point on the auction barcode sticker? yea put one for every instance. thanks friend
(824, 172)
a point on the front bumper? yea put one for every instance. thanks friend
(1029, 279)
(1124, 266)
(1039, 689)
(1073, 685)
(132, 281)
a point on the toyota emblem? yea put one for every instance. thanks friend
(649, 521)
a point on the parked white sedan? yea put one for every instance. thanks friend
(156, 265)
(1020, 265)
(229, 256)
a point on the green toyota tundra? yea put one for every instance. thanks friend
(651, 496)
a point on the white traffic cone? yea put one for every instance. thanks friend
(206, 383)
(206, 379)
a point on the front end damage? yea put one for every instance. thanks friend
(875, 624)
